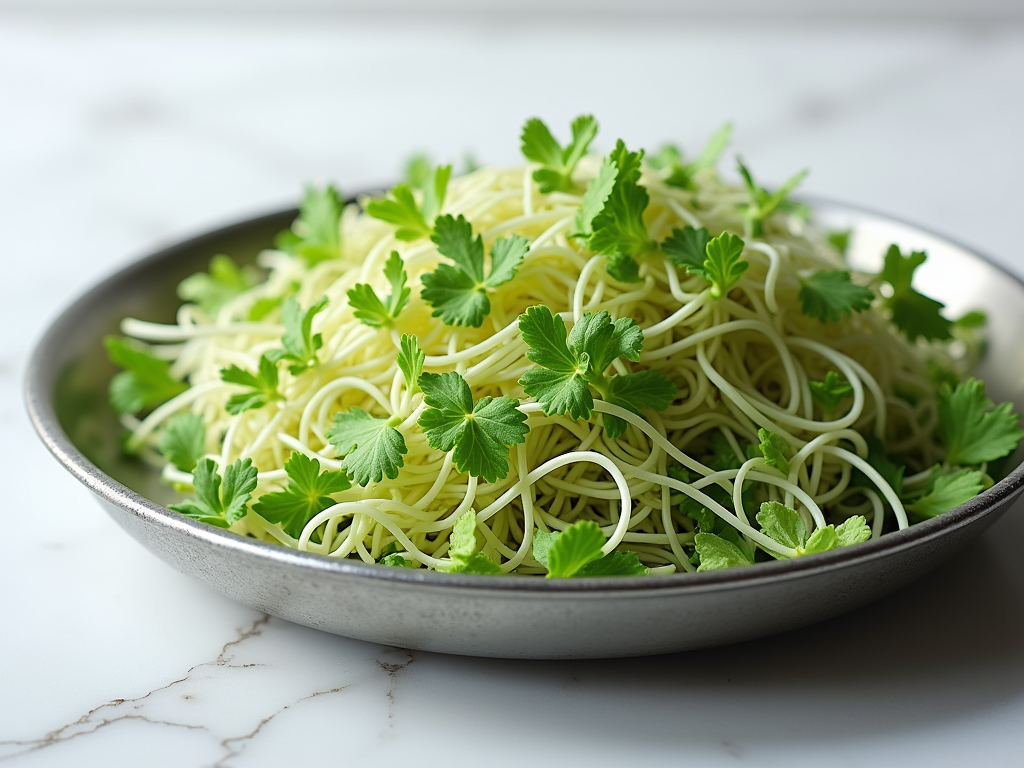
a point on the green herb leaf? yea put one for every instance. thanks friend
(717, 554)
(594, 199)
(971, 321)
(680, 173)
(183, 441)
(840, 240)
(369, 308)
(782, 524)
(396, 561)
(762, 203)
(316, 233)
(854, 531)
(400, 208)
(724, 263)
(774, 450)
(372, 447)
(974, 429)
(539, 146)
(830, 392)
(822, 540)
(144, 383)
(573, 549)
(299, 343)
(917, 315)
(224, 281)
(479, 433)
(948, 491)
(217, 505)
(462, 549)
(688, 248)
(262, 386)
(410, 361)
(828, 295)
(307, 495)
(891, 472)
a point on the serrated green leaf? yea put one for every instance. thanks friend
(774, 450)
(782, 524)
(717, 554)
(372, 447)
(261, 386)
(594, 199)
(217, 503)
(724, 263)
(539, 146)
(144, 383)
(574, 548)
(619, 228)
(830, 392)
(853, 531)
(315, 235)
(687, 248)
(183, 441)
(299, 344)
(410, 361)
(213, 289)
(369, 309)
(949, 491)
(975, 430)
(828, 295)
(307, 494)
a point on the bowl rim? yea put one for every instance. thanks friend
(41, 374)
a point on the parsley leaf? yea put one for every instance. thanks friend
(774, 450)
(830, 392)
(462, 549)
(568, 367)
(724, 263)
(576, 552)
(763, 204)
(828, 295)
(618, 230)
(183, 441)
(369, 308)
(917, 315)
(401, 209)
(974, 429)
(716, 553)
(688, 248)
(307, 495)
(217, 505)
(299, 343)
(396, 561)
(785, 526)
(145, 382)
(598, 190)
(480, 433)
(410, 361)
(680, 173)
(224, 281)
(372, 447)
(262, 386)
(948, 491)
(316, 234)
(458, 293)
(854, 531)
(840, 240)
(539, 146)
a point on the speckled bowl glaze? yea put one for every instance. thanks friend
(515, 617)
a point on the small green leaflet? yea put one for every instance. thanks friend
(372, 447)
(299, 343)
(308, 494)
(401, 209)
(917, 315)
(785, 526)
(568, 367)
(828, 295)
(618, 230)
(774, 450)
(680, 173)
(971, 321)
(419, 171)
(261, 386)
(224, 281)
(854, 531)
(369, 309)
(316, 234)
(558, 163)
(763, 204)
(458, 293)
(479, 433)
(183, 441)
(718, 260)
(462, 549)
(145, 381)
(216, 504)
(396, 561)
(840, 240)
(717, 553)
(410, 361)
(598, 190)
(974, 429)
(830, 392)
(576, 552)
(948, 491)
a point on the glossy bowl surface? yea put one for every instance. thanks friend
(516, 617)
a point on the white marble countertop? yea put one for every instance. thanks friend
(119, 135)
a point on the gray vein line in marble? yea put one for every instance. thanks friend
(90, 725)
(393, 670)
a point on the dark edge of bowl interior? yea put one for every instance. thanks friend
(40, 380)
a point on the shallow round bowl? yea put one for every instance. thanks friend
(524, 617)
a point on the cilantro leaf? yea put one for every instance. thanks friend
(212, 290)
(974, 429)
(299, 343)
(822, 540)
(830, 392)
(479, 433)
(316, 234)
(717, 554)
(307, 495)
(724, 263)
(633, 391)
(419, 171)
(145, 382)
(762, 203)
(576, 552)
(401, 209)
(614, 564)
(917, 315)
(462, 549)
(559, 382)
(369, 308)
(183, 441)
(410, 361)
(971, 320)
(396, 561)
(262, 385)
(372, 447)
(854, 531)
(774, 450)
(948, 491)
(687, 247)
(539, 146)
(458, 293)
(782, 524)
(680, 173)
(828, 295)
(598, 190)
(217, 505)
(840, 240)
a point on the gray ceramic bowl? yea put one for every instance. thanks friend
(518, 617)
